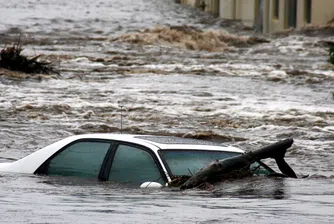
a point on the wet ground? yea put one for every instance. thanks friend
(169, 79)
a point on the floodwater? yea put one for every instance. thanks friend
(205, 83)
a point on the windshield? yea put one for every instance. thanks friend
(188, 162)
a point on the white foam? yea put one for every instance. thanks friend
(279, 74)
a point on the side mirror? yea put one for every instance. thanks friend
(150, 185)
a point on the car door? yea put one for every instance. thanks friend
(83, 158)
(135, 164)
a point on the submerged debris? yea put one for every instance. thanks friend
(190, 37)
(12, 59)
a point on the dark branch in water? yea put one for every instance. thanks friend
(238, 166)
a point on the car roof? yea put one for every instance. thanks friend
(164, 142)
(175, 140)
(30, 163)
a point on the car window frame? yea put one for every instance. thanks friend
(109, 162)
(43, 168)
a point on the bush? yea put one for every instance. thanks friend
(12, 59)
(331, 55)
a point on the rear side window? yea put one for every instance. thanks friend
(82, 159)
(134, 165)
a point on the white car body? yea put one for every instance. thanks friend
(32, 162)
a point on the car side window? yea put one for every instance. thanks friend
(83, 159)
(134, 165)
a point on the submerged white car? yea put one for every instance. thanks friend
(134, 159)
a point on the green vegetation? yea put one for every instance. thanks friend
(331, 55)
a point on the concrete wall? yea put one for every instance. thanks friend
(245, 11)
(227, 9)
(322, 11)
(266, 16)
(280, 23)
(215, 9)
(209, 6)
(248, 11)
(238, 9)
(301, 21)
(212, 6)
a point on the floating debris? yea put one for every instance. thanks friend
(238, 167)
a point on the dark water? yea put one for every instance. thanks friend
(248, 96)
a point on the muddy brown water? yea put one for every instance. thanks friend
(245, 95)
